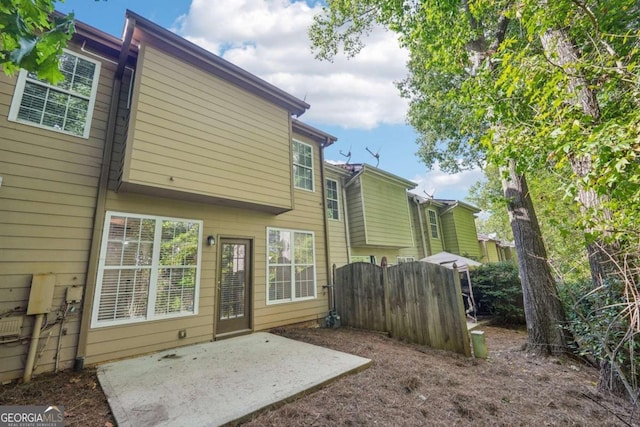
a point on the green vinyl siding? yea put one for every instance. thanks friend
(459, 232)
(419, 239)
(392, 254)
(355, 209)
(386, 212)
(449, 233)
(490, 251)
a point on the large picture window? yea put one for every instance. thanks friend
(333, 208)
(64, 107)
(290, 265)
(302, 165)
(149, 269)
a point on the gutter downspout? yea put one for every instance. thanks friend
(101, 199)
(327, 252)
(420, 219)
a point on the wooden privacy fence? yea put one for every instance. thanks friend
(416, 301)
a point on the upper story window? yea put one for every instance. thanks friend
(302, 165)
(149, 269)
(64, 107)
(405, 259)
(333, 208)
(433, 223)
(290, 265)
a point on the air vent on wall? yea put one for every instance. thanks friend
(10, 326)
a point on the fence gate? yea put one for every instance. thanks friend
(416, 301)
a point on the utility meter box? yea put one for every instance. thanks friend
(74, 294)
(41, 295)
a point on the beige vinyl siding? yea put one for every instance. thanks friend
(336, 228)
(113, 342)
(387, 212)
(47, 201)
(196, 133)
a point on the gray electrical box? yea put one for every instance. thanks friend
(41, 295)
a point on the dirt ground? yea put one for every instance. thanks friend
(406, 385)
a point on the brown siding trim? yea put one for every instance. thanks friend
(101, 200)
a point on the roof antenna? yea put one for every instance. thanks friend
(348, 155)
(430, 196)
(376, 155)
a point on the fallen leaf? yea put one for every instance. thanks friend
(108, 424)
(74, 380)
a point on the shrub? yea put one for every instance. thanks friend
(602, 322)
(497, 291)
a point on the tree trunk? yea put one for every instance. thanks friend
(544, 312)
(559, 47)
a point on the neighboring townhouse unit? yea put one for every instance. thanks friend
(374, 216)
(458, 225)
(493, 249)
(171, 194)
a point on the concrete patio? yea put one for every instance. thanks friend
(219, 382)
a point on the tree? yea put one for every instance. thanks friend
(557, 216)
(544, 83)
(32, 37)
(451, 87)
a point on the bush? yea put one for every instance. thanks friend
(600, 320)
(497, 291)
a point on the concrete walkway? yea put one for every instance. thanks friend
(219, 382)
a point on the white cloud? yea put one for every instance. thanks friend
(442, 185)
(269, 38)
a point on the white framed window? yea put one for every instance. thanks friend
(290, 265)
(302, 165)
(433, 223)
(403, 259)
(333, 208)
(65, 107)
(149, 269)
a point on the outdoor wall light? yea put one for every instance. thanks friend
(211, 240)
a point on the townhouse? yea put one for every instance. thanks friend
(161, 196)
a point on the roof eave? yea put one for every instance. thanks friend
(389, 176)
(222, 67)
(316, 134)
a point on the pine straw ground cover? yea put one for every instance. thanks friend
(406, 385)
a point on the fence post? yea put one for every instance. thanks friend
(387, 304)
(332, 289)
(461, 314)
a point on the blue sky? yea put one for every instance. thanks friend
(354, 100)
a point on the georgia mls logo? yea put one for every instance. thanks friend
(53, 408)
(31, 416)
